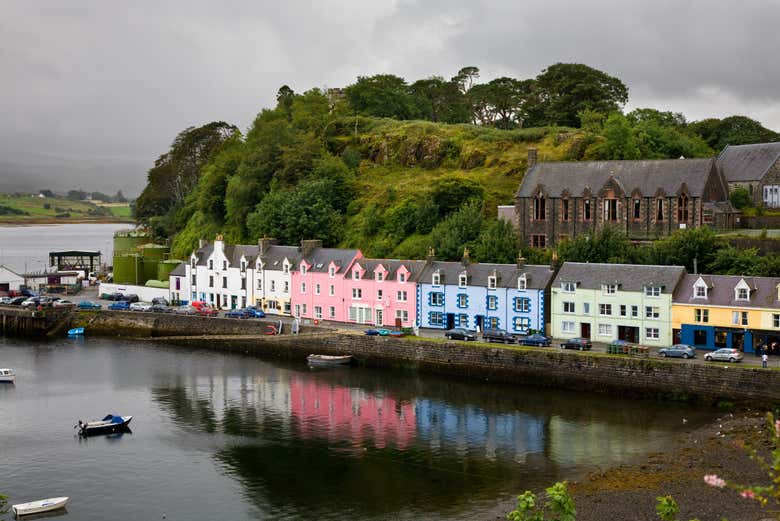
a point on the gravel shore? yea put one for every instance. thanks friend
(629, 492)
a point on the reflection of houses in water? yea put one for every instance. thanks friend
(514, 434)
(336, 412)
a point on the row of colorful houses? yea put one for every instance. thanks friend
(649, 305)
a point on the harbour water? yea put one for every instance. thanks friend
(225, 436)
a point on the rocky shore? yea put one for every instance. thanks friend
(629, 492)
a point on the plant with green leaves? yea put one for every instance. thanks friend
(559, 506)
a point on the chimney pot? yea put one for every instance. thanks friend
(309, 245)
(532, 155)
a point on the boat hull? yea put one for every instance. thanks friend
(329, 360)
(98, 427)
(7, 379)
(37, 507)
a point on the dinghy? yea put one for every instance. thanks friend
(37, 507)
(329, 359)
(110, 423)
(7, 376)
(76, 331)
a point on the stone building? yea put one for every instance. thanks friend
(645, 199)
(754, 167)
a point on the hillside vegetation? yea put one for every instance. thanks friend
(26, 208)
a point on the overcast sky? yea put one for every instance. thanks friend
(91, 91)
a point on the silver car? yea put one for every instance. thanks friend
(724, 355)
(677, 351)
(141, 306)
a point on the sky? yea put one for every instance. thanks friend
(91, 92)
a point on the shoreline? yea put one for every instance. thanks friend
(51, 220)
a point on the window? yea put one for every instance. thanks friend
(739, 318)
(492, 302)
(659, 211)
(224, 265)
(436, 299)
(609, 289)
(357, 293)
(355, 274)
(211, 281)
(436, 279)
(463, 320)
(522, 282)
(316, 289)
(303, 269)
(567, 326)
(568, 287)
(742, 294)
(402, 277)
(332, 312)
(400, 296)
(605, 330)
(193, 280)
(652, 312)
(539, 241)
(623, 310)
(211, 298)
(304, 309)
(634, 311)
(586, 308)
(682, 208)
(776, 321)
(586, 210)
(194, 296)
(303, 287)
(463, 300)
(286, 286)
(540, 208)
(637, 209)
(610, 210)
(700, 337)
(492, 282)
(224, 300)
(192, 262)
(178, 284)
(701, 315)
(318, 312)
(331, 271)
(243, 265)
(259, 284)
(273, 285)
(605, 309)
(652, 291)
(243, 283)
(492, 322)
(521, 323)
(523, 305)
(243, 302)
(331, 290)
(720, 338)
(568, 307)
(462, 280)
(379, 294)
(224, 282)
(380, 276)
(436, 318)
(652, 333)
(286, 267)
(402, 314)
(211, 264)
(564, 209)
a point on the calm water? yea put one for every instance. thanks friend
(26, 248)
(222, 436)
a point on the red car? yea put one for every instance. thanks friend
(207, 311)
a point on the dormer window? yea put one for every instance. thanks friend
(492, 282)
(286, 267)
(380, 276)
(243, 265)
(211, 264)
(700, 289)
(303, 269)
(609, 289)
(224, 265)
(332, 271)
(462, 280)
(355, 274)
(568, 287)
(652, 291)
(522, 282)
(743, 294)
(402, 278)
(192, 262)
(436, 279)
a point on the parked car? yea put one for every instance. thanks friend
(160, 308)
(677, 351)
(62, 303)
(141, 306)
(256, 312)
(725, 354)
(5, 300)
(161, 301)
(31, 301)
(88, 304)
(120, 305)
(17, 301)
(186, 310)
(207, 311)
(130, 298)
(238, 313)
(583, 344)
(459, 333)
(498, 335)
(197, 304)
(536, 340)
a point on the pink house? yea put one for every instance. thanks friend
(382, 292)
(317, 291)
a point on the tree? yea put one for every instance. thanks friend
(77, 195)
(439, 100)
(566, 89)
(465, 78)
(284, 100)
(310, 111)
(497, 242)
(100, 196)
(606, 245)
(458, 231)
(119, 197)
(620, 141)
(740, 198)
(684, 246)
(501, 102)
(382, 95)
(733, 130)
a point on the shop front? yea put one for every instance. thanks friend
(713, 337)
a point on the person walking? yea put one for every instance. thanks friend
(764, 359)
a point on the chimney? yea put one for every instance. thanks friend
(520, 261)
(466, 260)
(309, 245)
(554, 264)
(531, 158)
(431, 255)
(201, 243)
(219, 243)
(263, 244)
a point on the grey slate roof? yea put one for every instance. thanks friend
(415, 267)
(747, 162)
(204, 253)
(628, 277)
(273, 259)
(720, 291)
(320, 258)
(537, 277)
(647, 176)
(179, 271)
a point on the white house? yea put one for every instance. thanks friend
(272, 276)
(9, 279)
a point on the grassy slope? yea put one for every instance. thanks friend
(34, 207)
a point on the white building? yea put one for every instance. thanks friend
(9, 279)
(272, 276)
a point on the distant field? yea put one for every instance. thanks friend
(21, 208)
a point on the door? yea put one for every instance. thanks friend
(480, 322)
(297, 310)
(629, 334)
(233, 302)
(738, 341)
(450, 320)
(379, 317)
(585, 330)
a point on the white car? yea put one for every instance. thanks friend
(141, 306)
(62, 303)
(5, 300)
(32, 301)
(725, 355)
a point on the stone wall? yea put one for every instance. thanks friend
(550, 367)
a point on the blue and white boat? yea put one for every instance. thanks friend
(109, 424)
(76, 331)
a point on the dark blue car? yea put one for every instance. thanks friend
(238, 313)
(255, 312)
(535, 340)
(121, 305)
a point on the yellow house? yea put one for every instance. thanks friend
(715, 311)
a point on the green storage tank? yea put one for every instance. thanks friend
(149, 269)
(164, 269)
(128, 241)
(154, 251)
(156, 284)
(128, 269)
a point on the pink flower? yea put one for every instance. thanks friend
(714, 481)
(748, 494)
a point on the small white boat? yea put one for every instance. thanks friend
(36, 507)
(329, 359)
(7, 376)
(109, 424)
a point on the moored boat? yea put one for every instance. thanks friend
(110, 423)
(329, 359)
(76, 331)
(7, 376)
(37, 507)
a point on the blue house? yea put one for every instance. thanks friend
(479, 295)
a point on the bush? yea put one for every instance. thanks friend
(740, 198)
